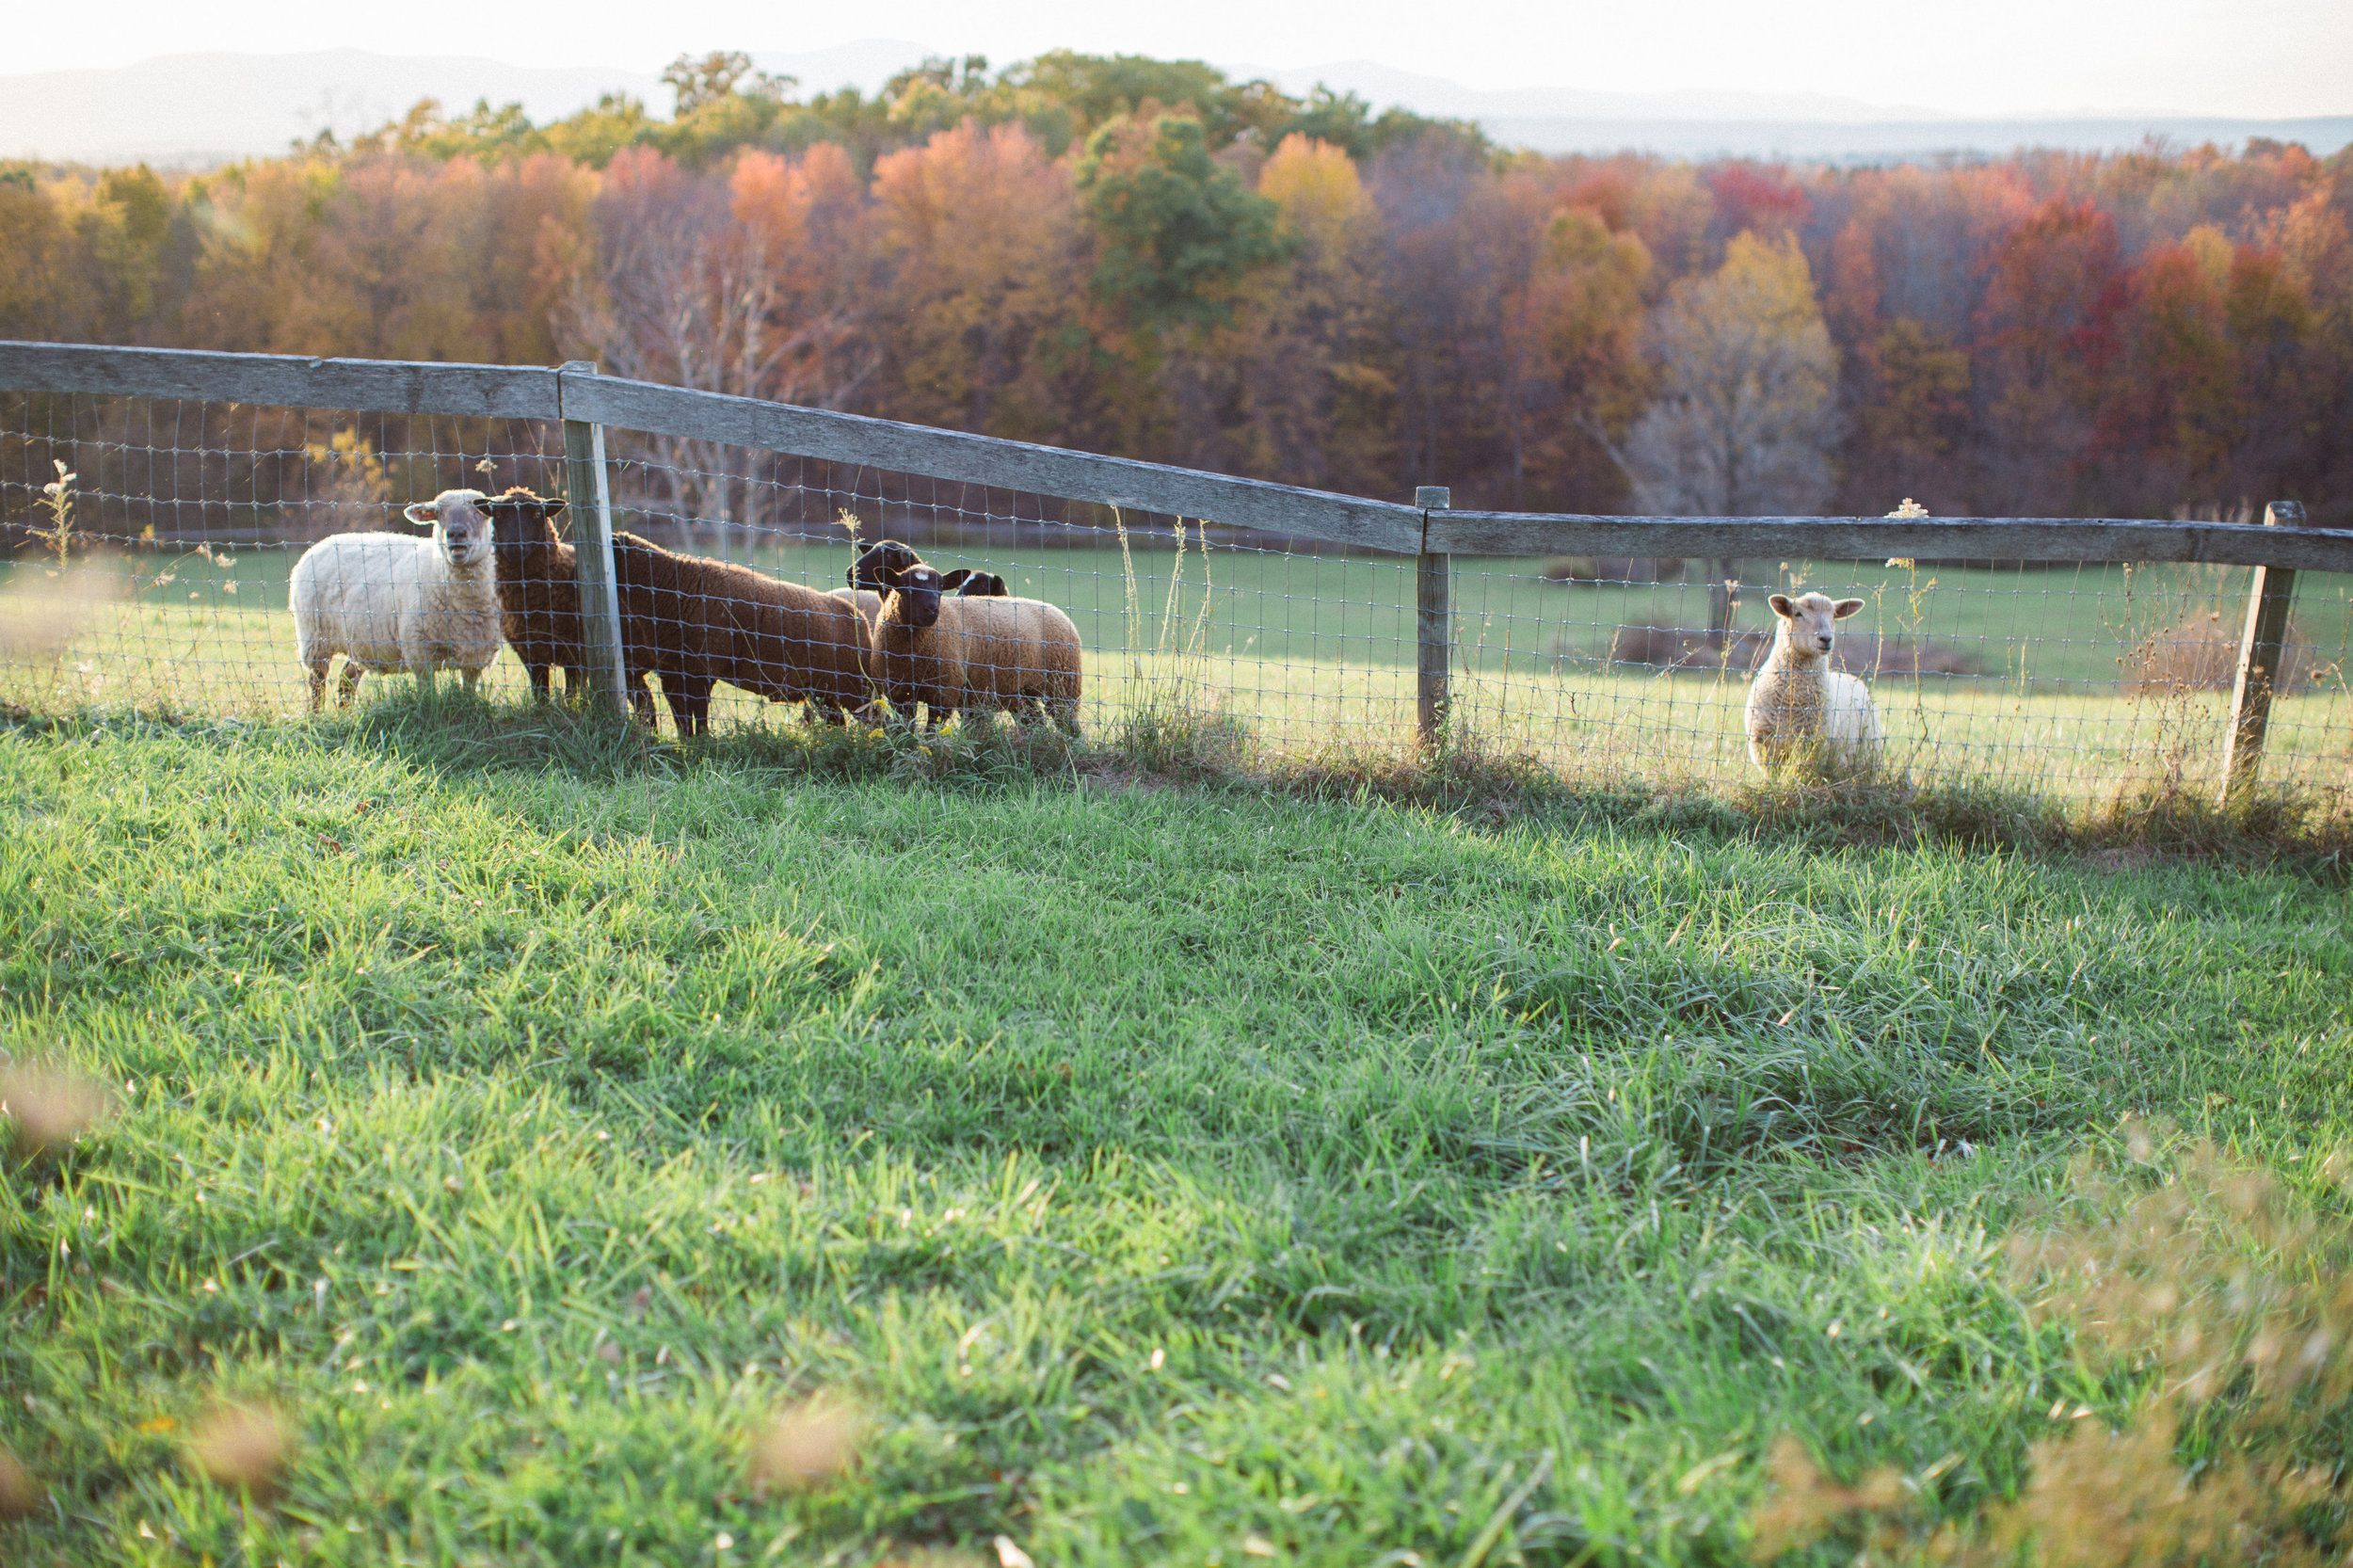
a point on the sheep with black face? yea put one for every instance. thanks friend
(955, 652)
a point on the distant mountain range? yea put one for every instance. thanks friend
(196, 110)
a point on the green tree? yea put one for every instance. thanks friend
(1175, 233)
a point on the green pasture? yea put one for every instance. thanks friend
(1300, 655)
(1161, 1176)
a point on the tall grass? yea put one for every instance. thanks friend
(1173, 722)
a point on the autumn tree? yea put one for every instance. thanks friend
(1745, 416)
(36, 258)
(1430, 282)
(982, 233)
(751, 287)
(708, 83)
(1913, 409)
(1177, 236)
(1314, 398)
(1584, 316)
(2174, 405)
(385, 273)
(2046, 344)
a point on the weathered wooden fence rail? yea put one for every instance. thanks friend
(584, 403)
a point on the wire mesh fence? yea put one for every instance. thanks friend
(152, 542)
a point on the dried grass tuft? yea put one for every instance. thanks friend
(243, 1446)
(807, 1446)
(20, 1493)
(51, 1108)
(2220, 1310)
(2201, 654)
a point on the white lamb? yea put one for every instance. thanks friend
(388, 601)
(1799, 709)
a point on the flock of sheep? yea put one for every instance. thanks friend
(495, 571)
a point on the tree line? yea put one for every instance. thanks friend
(1147, 258)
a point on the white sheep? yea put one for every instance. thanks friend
(388, 601)
(1799, 709)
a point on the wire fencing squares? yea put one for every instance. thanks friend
(152, 541)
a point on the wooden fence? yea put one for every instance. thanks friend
(586, 403)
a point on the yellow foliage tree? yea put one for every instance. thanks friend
(1311, 401)
(1745, 417)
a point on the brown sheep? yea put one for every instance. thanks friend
(539, 589)
(692, 621)
(955, 652)
(695, 622)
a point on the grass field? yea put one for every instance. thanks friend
(1298, 653)
(1160, 1175)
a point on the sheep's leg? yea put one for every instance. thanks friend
(539, 673)
(473, 678)
(318, 682)
(349, 685)
(690, 702)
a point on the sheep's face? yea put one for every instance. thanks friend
(917, 590)
(979, 584)
(878, 559)
(461, 526)
(890, 567)
(519, 519)
(1809, 623)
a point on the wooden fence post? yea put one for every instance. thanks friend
(589, 502)
(1433, 621)
(2261, 651)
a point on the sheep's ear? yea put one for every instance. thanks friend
(1782, 607)
(1843, 608)
(424, 514)
(956, 580)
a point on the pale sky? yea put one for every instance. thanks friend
(2231, 57)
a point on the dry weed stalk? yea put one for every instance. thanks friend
(2232, 1307)
(2201, 654)
(58, 501)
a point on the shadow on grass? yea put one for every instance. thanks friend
(1465, 776)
